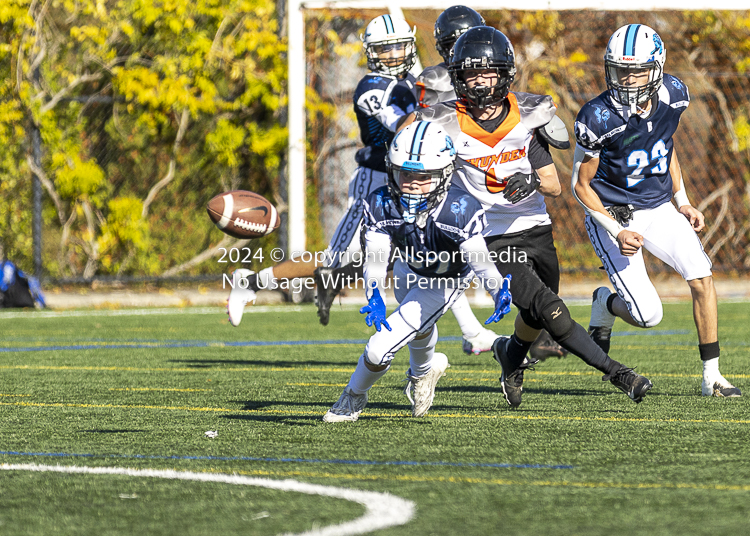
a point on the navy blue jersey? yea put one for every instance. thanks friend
(634, 151)
(459, 217)
(379, 101)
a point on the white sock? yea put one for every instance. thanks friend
(421, 352)
(266, 279)
(363, 378)
(470, 326)
(711, 368)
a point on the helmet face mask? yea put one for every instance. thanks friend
(420, 164)
(451, 24)
(634, 64)
(390, 46)
(486, 50)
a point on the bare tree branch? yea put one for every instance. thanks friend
(172, 165)
(60, 94)
(93, 259)
(49, 187)
(226, 242)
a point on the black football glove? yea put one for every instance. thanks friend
(520, 186)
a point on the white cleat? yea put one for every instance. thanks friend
(481, 343)
(239, 296)
(421, 391)
(347, 408)
(718, 386)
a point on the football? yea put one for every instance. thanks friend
(243, 214)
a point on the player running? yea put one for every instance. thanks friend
(502, 139)
(437, 230)
(381, 98)
(625, 175)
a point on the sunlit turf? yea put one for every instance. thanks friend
(578, 457)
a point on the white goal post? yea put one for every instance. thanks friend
(297, 65)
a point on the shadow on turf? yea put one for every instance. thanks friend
(103, 431)
(207, 363)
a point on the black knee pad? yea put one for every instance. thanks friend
(529, 319)
(553, 315)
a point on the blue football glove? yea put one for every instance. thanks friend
(502, 302)
(375, 310)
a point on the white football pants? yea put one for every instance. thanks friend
(669, 236)
(419, 310)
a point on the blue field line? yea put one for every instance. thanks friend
(144, 343)
(284, 460)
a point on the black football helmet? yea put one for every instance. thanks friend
(450, 24)
(479, 48)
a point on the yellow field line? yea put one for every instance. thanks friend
(374, 414)
(329, 369)
(157, 389)
(1, 394)
(495, 481)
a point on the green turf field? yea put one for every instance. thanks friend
(578, 457)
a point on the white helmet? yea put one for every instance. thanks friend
(425, 149)
(634, 47)
(384, 34)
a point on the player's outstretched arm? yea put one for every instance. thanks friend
(478, 257)
(694, 216)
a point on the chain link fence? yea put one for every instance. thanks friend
(567, 64)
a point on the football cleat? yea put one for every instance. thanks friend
(421, 391)
(545, 347)
(480, 343)
(239, 296)
(325, 293)
(511, 379)
(629, 382)
(347, 408)
(718, 386)
(600, 326)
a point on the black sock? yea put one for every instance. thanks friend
(347, 276)
(579, 343)
(709, 351)
(517, 350)
(609, 303)
(252, 282)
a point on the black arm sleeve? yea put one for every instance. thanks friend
(539, 154)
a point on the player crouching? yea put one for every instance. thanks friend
(438, 232)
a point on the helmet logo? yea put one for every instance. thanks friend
(449, 146)
(658, 46)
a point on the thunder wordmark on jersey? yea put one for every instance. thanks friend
(634, 151)
(456, 219)
(379, 101)
(492, 157)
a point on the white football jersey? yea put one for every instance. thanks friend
(490, 158)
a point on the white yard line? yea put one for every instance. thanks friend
(382, 509)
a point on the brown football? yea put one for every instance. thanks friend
(243, 214)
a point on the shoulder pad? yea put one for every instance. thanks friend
(536, 110)
(437, 78)
(555, 133)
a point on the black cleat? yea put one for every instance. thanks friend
(629, 382)
(545, 347)
(510, 380)
(326, 293)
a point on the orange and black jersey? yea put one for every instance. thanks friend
(497, 152)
